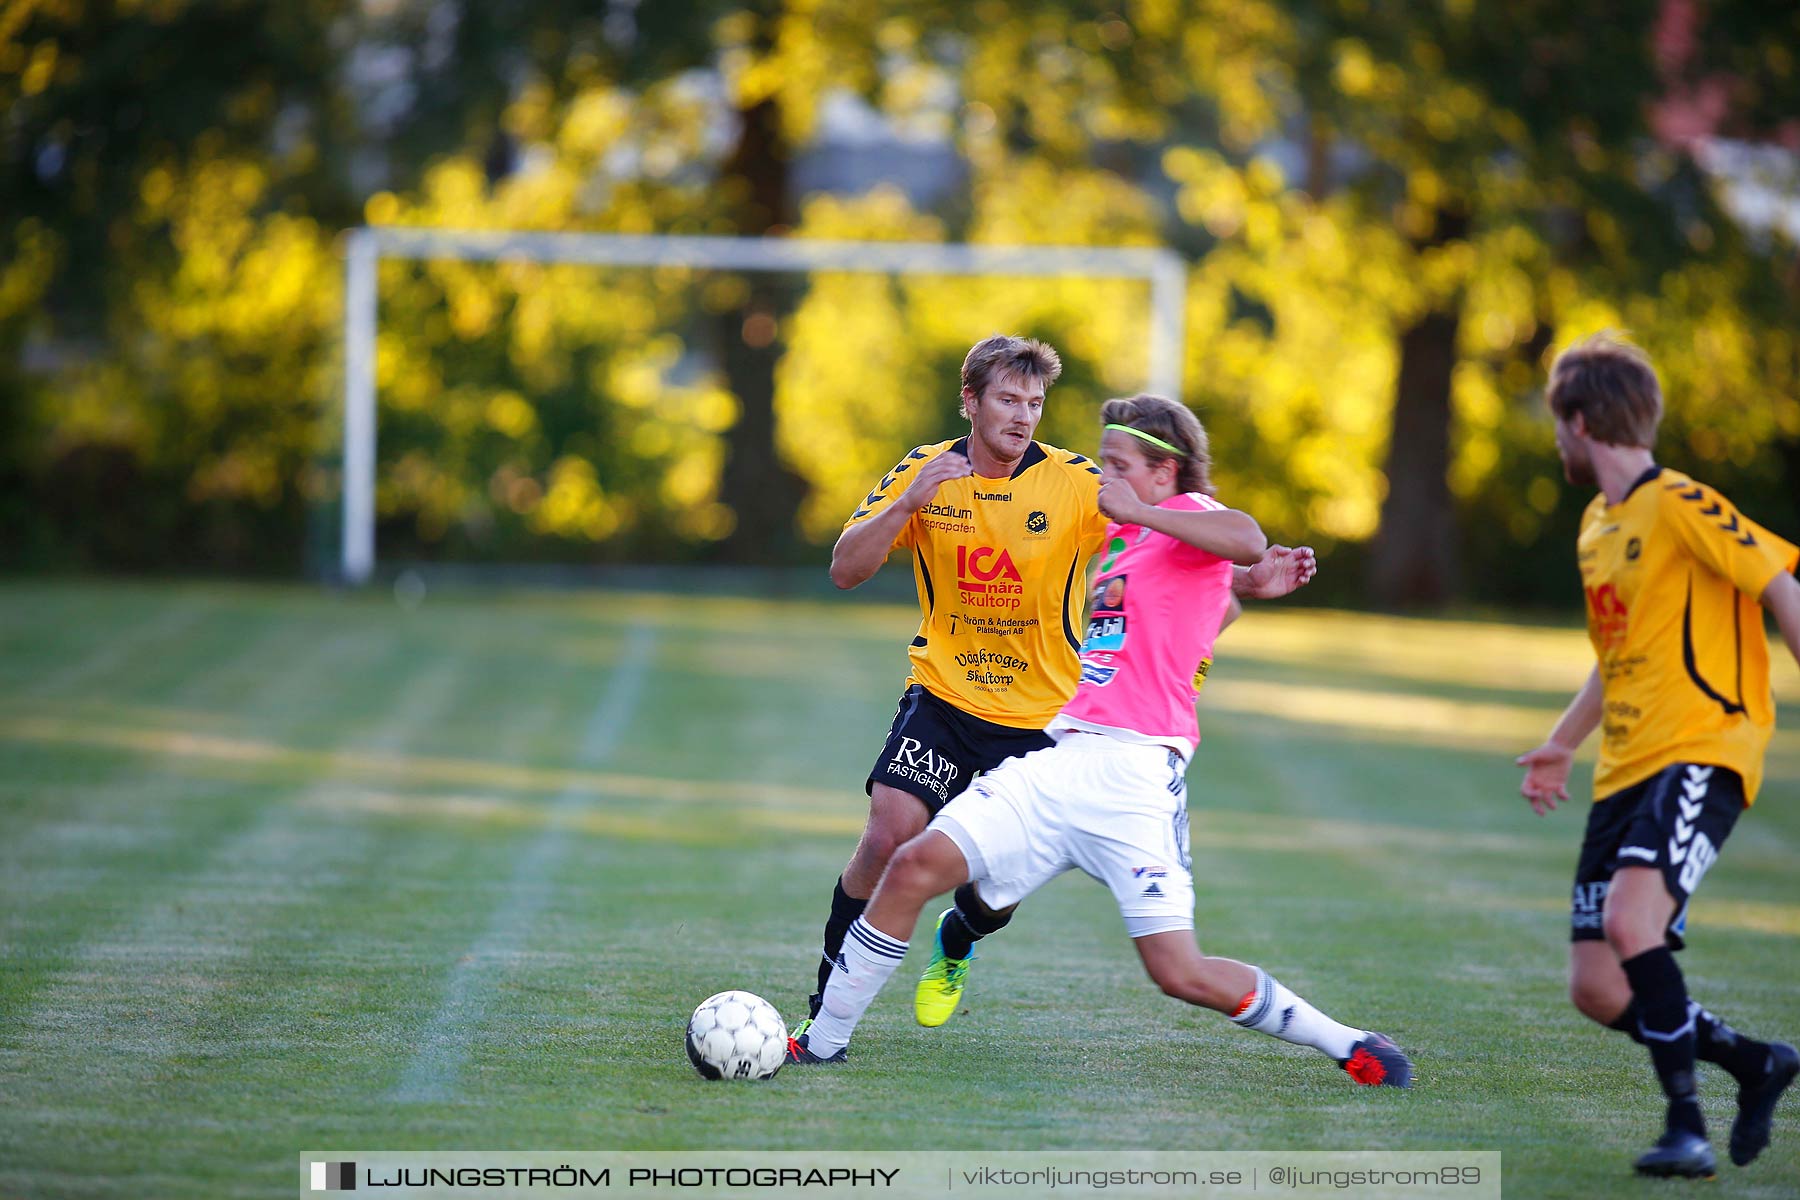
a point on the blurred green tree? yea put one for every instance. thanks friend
(1394, 214)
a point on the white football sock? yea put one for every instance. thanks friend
(1274, 1010)
(867, 961)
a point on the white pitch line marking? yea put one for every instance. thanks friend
(443, 1046)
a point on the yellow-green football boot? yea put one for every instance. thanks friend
(941, 986)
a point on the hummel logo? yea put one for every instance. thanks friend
(1691, 805)
(1695, 788)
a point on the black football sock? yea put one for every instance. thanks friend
(1668, 1030)
(845, 908)
(1627, 1023)
(969, 922)
(1715, 1042)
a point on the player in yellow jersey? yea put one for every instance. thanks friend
(1677, 581)
(999, 529)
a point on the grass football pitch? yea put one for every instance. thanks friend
(283, 869)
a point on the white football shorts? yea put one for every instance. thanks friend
(1116, 810)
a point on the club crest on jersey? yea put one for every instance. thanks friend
(1037, 524)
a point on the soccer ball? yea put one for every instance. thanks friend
(736, 1035)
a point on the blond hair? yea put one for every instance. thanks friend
(1173, 423)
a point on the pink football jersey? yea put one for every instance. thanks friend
(1157, 607)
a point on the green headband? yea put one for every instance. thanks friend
(1151, 438)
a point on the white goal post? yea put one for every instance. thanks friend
(1162, 268)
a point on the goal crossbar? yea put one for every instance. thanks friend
(1162, 268)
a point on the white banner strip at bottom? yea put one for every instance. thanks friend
(894, 1175)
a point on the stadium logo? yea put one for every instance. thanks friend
(334, 1177)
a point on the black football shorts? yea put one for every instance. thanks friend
(1676, 821)
(934, 750)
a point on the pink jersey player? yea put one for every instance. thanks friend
(1158, 604)
(1110, 797)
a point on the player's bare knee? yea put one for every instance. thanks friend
(876, 851)
(917, 869)
(1594, 1001)
(1628, 933)
(885, 834)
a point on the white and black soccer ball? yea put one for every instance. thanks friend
(736, 1035)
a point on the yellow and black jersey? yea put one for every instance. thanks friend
(1001, 568)
(1674, 578)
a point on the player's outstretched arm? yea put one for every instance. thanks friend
(1547, 767)
(1782, 598)
(1281, 570)
(1226, 532)
(864, 546)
